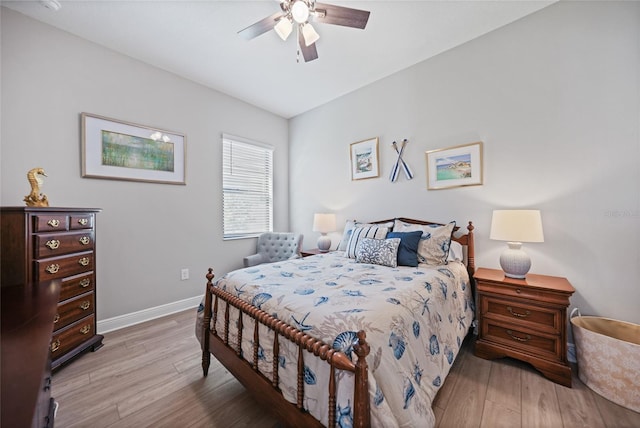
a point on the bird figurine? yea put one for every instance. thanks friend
(36, 198)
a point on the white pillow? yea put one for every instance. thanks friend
(382, 252)
(435, 242)
(359, 233)
(455, 252)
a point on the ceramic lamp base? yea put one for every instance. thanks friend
(324, 243)
(514, 261)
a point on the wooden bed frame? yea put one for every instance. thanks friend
(266, 390)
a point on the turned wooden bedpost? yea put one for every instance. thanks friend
(206, 324)
(471, 257)
(361, 406)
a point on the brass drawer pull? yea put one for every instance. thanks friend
(519, 339)
(56, 318)
(519, 315)
(55, 346)
(85, 305)
(84, 261)
(83, 221)
(53, 222)
(52, 268)
(86, 329)
(85, 283)
(53, 244)
(85, 240)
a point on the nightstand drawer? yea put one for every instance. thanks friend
(513, 336)
(522, 314)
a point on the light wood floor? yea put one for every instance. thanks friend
(150, 375)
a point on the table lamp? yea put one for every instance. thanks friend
(516, 227)
(324, 223)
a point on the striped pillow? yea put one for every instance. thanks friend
(359, 233)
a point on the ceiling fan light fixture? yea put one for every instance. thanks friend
(300, 11)
(283, 28)
(310, 35)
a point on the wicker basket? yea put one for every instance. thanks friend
(608, 353)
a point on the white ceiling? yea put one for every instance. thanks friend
(198, 40)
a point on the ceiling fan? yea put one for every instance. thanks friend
(298, 14)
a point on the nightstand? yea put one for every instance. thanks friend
(524, 319)
(312, 252)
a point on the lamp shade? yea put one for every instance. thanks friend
(283, 28)
(324, 223)
(309, 34)
(516, 226)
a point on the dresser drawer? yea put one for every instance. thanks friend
(82, 221)
(76, 285)
(50, 245)
(60, 267)
(69, 337)
(520, 313)
(514, 336)
(72, 310)
(50, 222)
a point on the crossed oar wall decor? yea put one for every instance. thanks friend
(400, 163)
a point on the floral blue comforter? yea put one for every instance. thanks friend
(415, 320)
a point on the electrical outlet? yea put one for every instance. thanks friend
(184, 274)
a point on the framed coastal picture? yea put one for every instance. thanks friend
(454, 166)
(364, 159)
(117, 150)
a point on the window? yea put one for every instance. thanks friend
(247, 187)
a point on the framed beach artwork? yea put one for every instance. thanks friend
(117, 150)
(364, 159)
(454, 166)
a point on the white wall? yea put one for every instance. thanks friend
(147, 232)
(555, 97)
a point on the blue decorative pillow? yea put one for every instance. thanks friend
(378, 251)
(408, 249)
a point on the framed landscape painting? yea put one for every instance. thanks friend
(364, 159)
(118, 150)
(454, 166)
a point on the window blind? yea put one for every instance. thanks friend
(247, 187)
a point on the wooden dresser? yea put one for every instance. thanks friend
(524, 319)
(27, 322)
(41, 244)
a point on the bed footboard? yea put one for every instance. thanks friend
(266, 389)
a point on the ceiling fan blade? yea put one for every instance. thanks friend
(309, 53)
(338, 15)
(260, 27)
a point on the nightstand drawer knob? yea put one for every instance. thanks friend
(85, 305)
(85, 240)
(84, 261)
(83, 221)
(54, 222)
(518, 291)
(519, 339)
(85, 283)
(55, 346)
(86, 329)
(516, 314)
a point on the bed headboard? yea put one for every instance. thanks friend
(465, 239)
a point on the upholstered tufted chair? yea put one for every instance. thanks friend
(275, 247)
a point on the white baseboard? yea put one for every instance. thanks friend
(126, 320)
